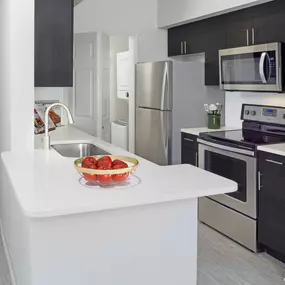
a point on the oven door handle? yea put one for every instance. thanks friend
(226, 148)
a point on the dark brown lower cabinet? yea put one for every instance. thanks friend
(189, 149)
(271, 224)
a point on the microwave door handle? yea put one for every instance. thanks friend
(270, 67)
(261, 67)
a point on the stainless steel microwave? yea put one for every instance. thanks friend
(252, 68)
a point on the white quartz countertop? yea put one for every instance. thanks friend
(47, 184)
(278, 149)
(197, 131)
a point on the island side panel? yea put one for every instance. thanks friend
(153, 244)
(15, 233)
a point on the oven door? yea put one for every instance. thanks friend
(238, 167)
(251, 68)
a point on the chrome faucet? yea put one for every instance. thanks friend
(46, 136)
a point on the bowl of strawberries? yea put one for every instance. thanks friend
(110, 169)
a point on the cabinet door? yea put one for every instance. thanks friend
(53, 43)
(196, 37)
(238, 28)
(189, 147)
(269, 22)
(189, 156)
(176, 39)
(215, 40)
(212, 69)
(272, 202)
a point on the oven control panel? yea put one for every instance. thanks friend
(266, 114)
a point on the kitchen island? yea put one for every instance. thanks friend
(57, 231)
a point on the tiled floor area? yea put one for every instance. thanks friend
(221, 262)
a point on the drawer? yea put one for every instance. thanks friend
(267, 159)
(189, 141)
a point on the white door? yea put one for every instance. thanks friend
(85, 95)
(123, 75)
(105, 90)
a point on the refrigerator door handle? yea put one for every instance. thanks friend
(164, 130)
(164, 86)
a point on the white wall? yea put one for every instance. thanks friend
(234, 101)
(119, 109)
(124, 18)
(62, 94)
(152, 46)
(4, 76)
(172, 12)
(52, 93)
(17, 75)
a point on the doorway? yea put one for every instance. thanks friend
(104, 67)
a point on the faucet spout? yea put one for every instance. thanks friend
(46, 136)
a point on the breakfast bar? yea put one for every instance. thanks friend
(58, 231)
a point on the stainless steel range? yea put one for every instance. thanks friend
(233, 154)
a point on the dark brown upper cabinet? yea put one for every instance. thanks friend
(260, 24)
(269, 22)
(177, 40)
(53, 43)
(239, 29)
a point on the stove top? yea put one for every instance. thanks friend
(247, 136)
(248, 139)
(262, 125)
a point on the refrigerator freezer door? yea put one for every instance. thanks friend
(153, 135)
(154, 85)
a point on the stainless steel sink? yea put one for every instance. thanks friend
(78, 150)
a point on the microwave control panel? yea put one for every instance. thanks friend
(266, 114)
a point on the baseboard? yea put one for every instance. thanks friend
(7, 254)
(275, 254)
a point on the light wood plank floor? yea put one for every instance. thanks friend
(220, 262)
(223, 262)
(4, 272)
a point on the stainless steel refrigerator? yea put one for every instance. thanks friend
(154, 111)
(169, 96)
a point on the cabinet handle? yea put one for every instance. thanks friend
(253, 36)
(273, 161)
(247, 37)
(259, 180)
(197, 159)
(189, 140)
(185, 47)
(182, 48)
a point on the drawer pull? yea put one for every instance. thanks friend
(259, 180)
(273, 161)
(189, 140)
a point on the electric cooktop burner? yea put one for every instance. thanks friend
(247, 137)
(261, 125)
